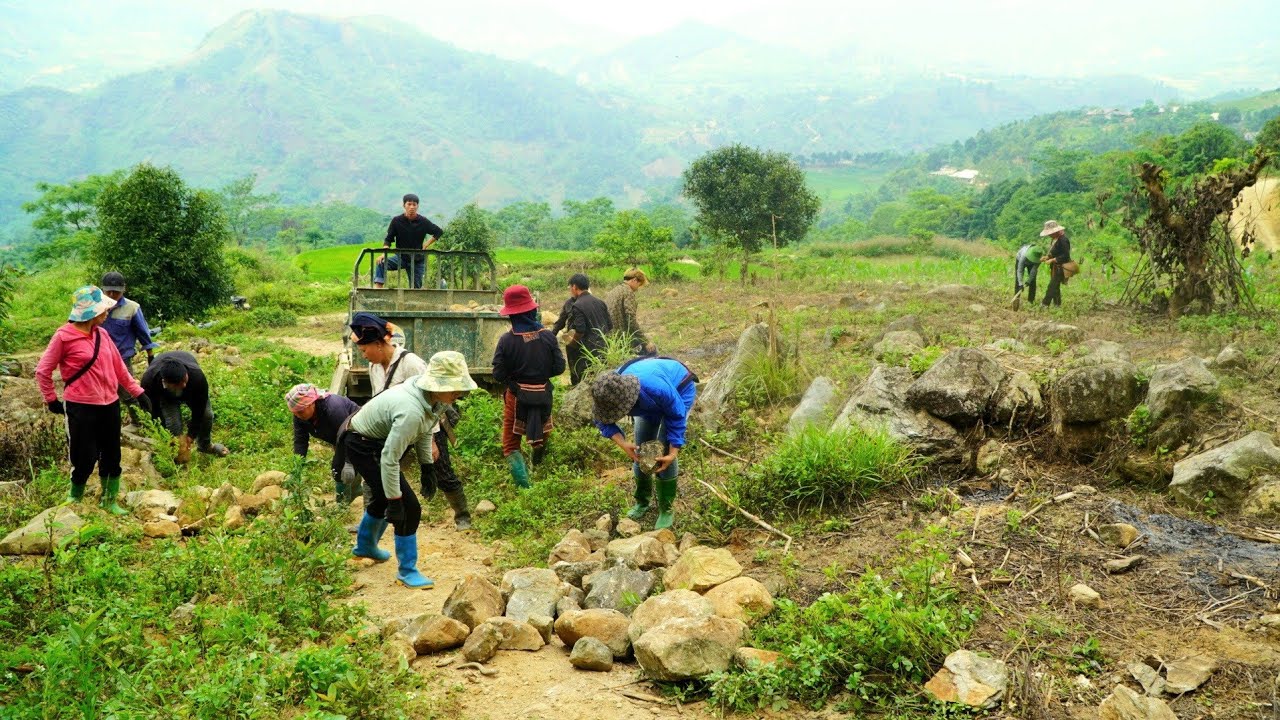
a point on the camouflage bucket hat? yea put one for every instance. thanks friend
(446, 372)
(613, 396)
(89, 304)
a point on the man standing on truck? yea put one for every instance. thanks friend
(409, 232)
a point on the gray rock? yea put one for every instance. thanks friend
(669, 605)
(530, 591)
(1121, 565)
(1263, 501)
(596, 538)
(880, 404)
(815, 407)
(482, 643)
(906, 323)
(715, 400)
(1231, 472)
(1118, 535)
(970, 679)
(544, 625)
(1095, 393)
(140, 501)
(1008, 345)
(1042, 331)
(591, 654)
(473, 601)
(958, 387)
(1018, 400)
(564, 606)
(1082, 594)
(575, 407)
(1173, 393)
(1125, 704)
(687, 648)
(1187, 674)
(517, 635)
(227, 494)
(628, 527)
(573, 573)
(1098, 352)
(903, 343)
(619, 588)
(607, 626)
(45, 530)
(1231, 358)
(604, 524)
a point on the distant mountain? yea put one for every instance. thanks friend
(359, 110)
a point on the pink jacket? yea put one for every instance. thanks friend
(69, 350)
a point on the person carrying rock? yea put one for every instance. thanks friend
(587, 318)
(379, 435)
(173, 380)
(322, 415)
(1059, 260)
(1026, 266)
(525, 360)
(624, 312)
(658, 394)
(92, 372)
(390, 364)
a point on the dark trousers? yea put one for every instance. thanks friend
(1030, 285)
(93, 438)
(1053, 296)
(365, 455)
(442, 469)
(578, 362)
(171, 417)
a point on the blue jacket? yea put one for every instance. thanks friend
(127, 327)
(662, 397)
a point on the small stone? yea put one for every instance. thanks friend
(628, 528)
(161, 529)
(608, 626)
(253, 504)
(1231, 358)
(433, 633)
(752, 657)
(233, 519)
(484, 507)
(1148, 677)
(1115, 567)
(1082, 594)
(270, 477)
(566, 605)
(591, 654)
(399, 649)
(202, 492)
(227, 494)
(990, 457)
(1118, 535)
(687, 541)
(482, 643)
(1085, 490)
(544, 625)
(573, 547)
(604, 523)
(970, 679)
(1125, 704)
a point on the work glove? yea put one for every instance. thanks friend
(144, 402)
(55, 407)
(395, 514)
(428, 482)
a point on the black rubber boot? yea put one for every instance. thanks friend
(458, 501)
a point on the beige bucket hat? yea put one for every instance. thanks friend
(446, 372)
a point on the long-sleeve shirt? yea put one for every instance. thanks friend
(1060, 250)
(563, 320)
(195, 395)
(410, 234)
(410, 365)
(128, 328)
(1027, 264)
(69, 350)
(532, 358)
(589, 317)
(401, 417)
(666, 394)
(624, 314)
(331, 412)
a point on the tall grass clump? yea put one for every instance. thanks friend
(879, 638)
(768, 379)
(816, 468)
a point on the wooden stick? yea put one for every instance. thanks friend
(645, 698)
(725, 499)
(1057, 499)
(725, 453)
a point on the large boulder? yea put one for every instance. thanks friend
(433, 633)
(482, 643)
(1231, 472)
(1175, 390)
(717, 396)
(1018, 400)
(530, 591)
(1042, 331)
(958, 387)
(815, 407)
(620, 588)
(880, 405)
(1095, 393)
(473, 601)
(667, 606)
(575, 407)
(741, 598)
(42, 533)
(701, 568)
(969, 679)
(687, 648)
(607, 626)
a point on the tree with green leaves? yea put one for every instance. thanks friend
(630, 239)
(469, 230)
(582, 221)
(240, 205)
(167, 239)
(65, 216)
(1268, 139)
(751, 199)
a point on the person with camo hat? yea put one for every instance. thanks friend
(658, 394)
(92, 372)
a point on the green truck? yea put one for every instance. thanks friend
(456, 309)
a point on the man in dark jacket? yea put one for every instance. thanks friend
(409, 232)
(588, 323)
(1058, 254)
(173, 380)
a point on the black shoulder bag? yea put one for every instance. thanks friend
(97, 342)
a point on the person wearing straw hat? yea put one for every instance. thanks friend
(1057, 257)
(92, 371)
(380, 433)
(525, 360)
(320, 414)
(658, 394)
(624, 311)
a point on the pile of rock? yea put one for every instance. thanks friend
(598, 600)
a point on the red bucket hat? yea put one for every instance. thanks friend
(516, 299)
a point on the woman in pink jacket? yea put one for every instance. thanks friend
(91, 370)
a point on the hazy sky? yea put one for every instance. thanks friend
(1180, 41)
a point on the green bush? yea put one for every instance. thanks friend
(817, 468)
(886, 633)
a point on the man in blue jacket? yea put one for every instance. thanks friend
(658, 394)
(127, 328)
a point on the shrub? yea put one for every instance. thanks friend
(769, 380)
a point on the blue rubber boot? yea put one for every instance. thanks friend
(367, 536)
(407, 556)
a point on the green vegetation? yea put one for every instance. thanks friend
(469, 230)
(629, 239)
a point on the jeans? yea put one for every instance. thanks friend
(401, 261)
(647, 430)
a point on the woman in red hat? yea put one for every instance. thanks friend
(525, 361)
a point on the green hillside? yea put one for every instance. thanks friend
(335, 263)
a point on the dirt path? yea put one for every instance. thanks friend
(1261, 203)
(533, 685)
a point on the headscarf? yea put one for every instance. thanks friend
(303, 395)
(525, 322)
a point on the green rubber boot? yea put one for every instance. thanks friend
(519, 471)
(666, 499)
(644, 491)
(110, 490)
(76, 494)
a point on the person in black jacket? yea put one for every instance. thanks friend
(409, 232)
(525, 361)
(1058, 254)
(588, 323)
(175, 379)
(322, 415)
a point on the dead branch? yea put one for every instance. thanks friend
(753, 518)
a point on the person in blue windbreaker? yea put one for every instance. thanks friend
(128, 329)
